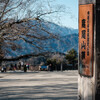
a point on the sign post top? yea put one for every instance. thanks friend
(88, 1)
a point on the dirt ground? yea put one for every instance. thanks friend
(39, 85)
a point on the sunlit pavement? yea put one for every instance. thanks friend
(39, 85)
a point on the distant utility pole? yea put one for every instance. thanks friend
(61, 67)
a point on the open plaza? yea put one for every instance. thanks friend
(39, 85)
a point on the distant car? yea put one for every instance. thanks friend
(43, 68)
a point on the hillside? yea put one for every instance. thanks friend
(68, 38)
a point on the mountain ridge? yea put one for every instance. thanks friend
(68, 40)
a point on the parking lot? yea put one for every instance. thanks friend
(42, 85)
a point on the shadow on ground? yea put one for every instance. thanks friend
(49, 92)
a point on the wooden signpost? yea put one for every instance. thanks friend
(89, 50)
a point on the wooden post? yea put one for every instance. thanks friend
(89, 50)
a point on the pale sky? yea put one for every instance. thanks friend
(70, 18)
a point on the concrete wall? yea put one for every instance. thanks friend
(85, 88)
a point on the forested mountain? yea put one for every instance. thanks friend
(67, 38)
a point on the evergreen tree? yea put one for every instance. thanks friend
(71, 57)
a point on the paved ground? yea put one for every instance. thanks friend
(38, 85)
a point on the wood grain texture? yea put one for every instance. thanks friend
(86, 39)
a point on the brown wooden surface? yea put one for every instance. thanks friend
(88, 45)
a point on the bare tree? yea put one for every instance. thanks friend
(23, 20)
